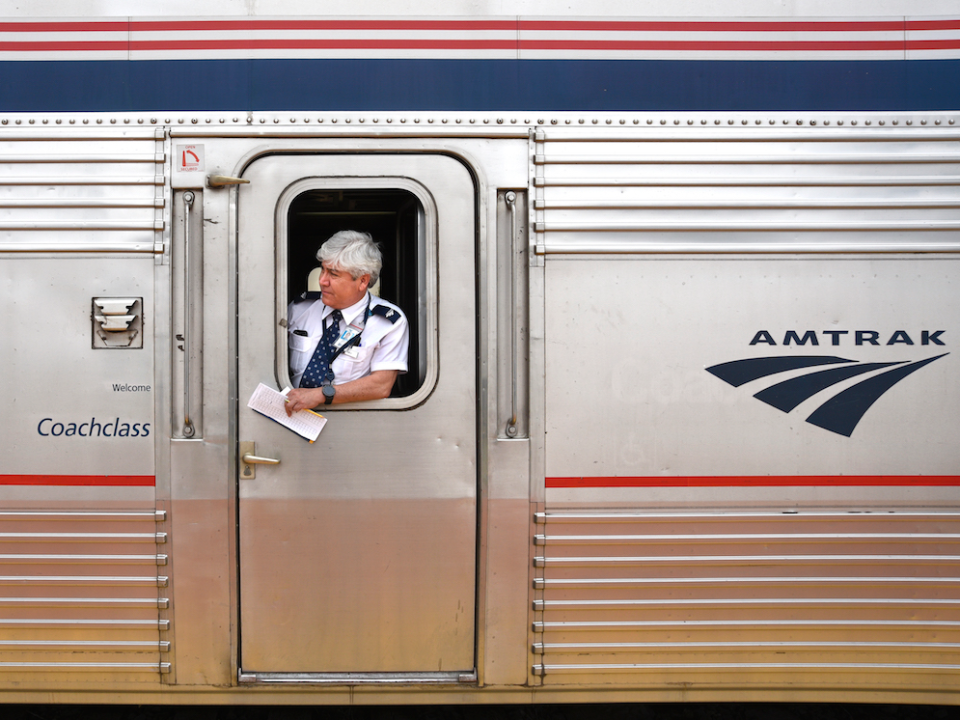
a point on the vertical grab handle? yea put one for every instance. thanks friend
(188, 429)
(511, 200)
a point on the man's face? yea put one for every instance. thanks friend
(339, 290)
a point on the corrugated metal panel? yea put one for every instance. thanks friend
(83, 591)
(827, 596)
(702, 189)
(81, 189)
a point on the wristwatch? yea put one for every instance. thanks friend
(328, 392)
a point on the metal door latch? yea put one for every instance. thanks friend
(249, 460)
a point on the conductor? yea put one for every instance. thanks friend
(347, 345)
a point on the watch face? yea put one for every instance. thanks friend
(329, 391)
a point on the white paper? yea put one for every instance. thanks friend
(270, 403)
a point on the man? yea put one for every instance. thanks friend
(348, 345)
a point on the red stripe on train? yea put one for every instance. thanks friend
(322, 44)
(714, 45)
(704, 25)
(758, 481)
(337, 25)
(467, 44)
(59, 26)
(766, 26)
(66, 46)
(81, 480)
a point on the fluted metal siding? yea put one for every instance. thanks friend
(83, 591)
(705, 189)
(89, 189)
(829, 598)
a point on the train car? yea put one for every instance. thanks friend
(681, 410)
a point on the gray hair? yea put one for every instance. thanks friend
(353, 252)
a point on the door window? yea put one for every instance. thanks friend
(400, 220)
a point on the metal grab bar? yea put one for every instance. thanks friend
(188, 429)
(511, 200)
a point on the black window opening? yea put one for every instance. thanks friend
(396, 220)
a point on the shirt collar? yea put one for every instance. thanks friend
(351, 313)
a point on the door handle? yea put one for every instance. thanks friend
(249, 459)
(257, 460)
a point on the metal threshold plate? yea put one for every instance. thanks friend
(417, 678)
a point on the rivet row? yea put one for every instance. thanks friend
(249, 120)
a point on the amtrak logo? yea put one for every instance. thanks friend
(840, 413)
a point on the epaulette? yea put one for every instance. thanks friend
(385, 311)
(308, 295)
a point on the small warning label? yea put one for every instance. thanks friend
(190, 158)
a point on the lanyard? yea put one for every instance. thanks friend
(348, 338)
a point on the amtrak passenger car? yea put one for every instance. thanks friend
(681, 414)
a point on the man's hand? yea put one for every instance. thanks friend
(303, 399)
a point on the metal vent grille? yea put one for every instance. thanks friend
(81, 190)
(818, 598)
(730, 190)
(82, 591)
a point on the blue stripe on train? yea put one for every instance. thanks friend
(477, 85)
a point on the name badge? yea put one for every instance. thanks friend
(346, 336)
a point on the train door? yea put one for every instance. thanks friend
(358, 551)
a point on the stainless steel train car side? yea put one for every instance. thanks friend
(679, 424)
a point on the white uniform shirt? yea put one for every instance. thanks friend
(383, 344)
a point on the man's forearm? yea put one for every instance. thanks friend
(374, 386)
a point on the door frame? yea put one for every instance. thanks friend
(420, 396)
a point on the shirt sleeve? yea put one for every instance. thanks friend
(295, 313)
(391, 351)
